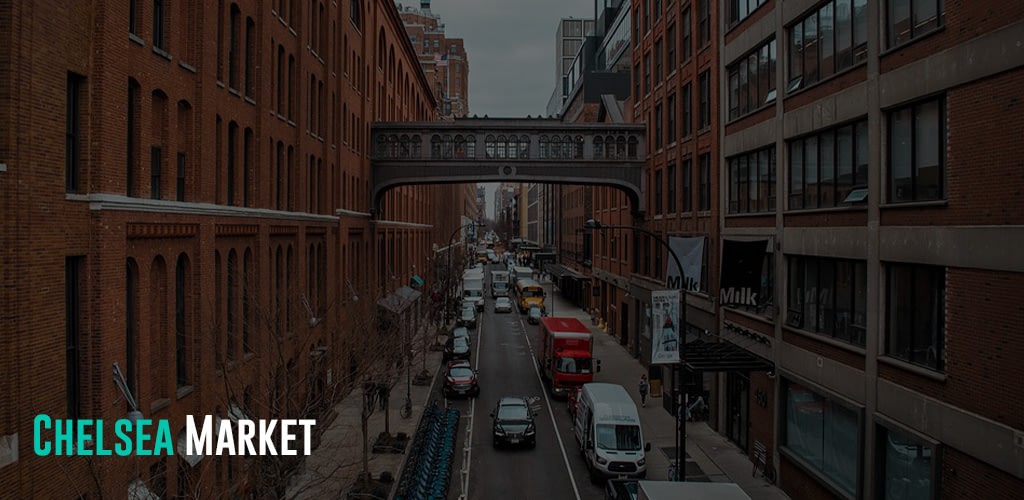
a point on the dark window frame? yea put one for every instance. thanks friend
(75, 95)
(915, 29)
(155, 167)
(704, 200)
(823, 299)
(837, 188)
(914, 166)
(705, 100)
(745, 98)
(704, 22)
(740, 201)
(687, 174)
(159, 26)
(933, 281)
(798, 76)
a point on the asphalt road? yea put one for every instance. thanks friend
(554, 469)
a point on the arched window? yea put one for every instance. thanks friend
(489, 147)
(182, 337)
(524, 147)
(248, 283)
(381, 49)
(435, 147)
(460, 147)
(501, 147)
(381, 146)
(231, 298)
(577, 153)
(416, 149)
(555, 148)
(631, 152)
(620, 148)
(598, 147)
(131, 328)
(158, 348)
(447, 147)
(403, 146)
(513, 147)
(609, 147)
(392, 146)
(543, 144)
(471, 147)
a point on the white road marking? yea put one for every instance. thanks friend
(467, 447)
(551, 413)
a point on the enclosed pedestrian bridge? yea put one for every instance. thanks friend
(539, 150)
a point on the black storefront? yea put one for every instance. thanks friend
(573, 285)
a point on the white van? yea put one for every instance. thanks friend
(607, 428)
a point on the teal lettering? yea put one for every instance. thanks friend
(40, 446)
(100, 450)
(62, 436)
(82, 433)
(123, 447)
(163, 439)
(141, 437)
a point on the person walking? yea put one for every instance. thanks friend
(643, 390)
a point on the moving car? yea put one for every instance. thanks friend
(503, 305)
(456, 348)
(467, 317)
(460, 379)
(513, 423)
(534, 315)
(607, 428)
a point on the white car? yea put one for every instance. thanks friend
(502, 305)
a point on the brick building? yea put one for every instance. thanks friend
(444, 59)
(185, 193)
(874, 146)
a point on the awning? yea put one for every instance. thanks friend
(562, 271)
(723, 356)
(416, 281)
(398, 301)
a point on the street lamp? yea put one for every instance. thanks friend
(448, 280)
(680, 406)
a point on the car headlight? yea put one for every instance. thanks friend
(602, 460)
(498, 431)
(641, 462)
(530, 430)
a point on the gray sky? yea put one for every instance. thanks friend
(510, 45)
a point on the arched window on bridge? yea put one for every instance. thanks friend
(598, 147)
(524, 147)
(403, 146)
(555, 149)
(446, 147)
(435, 147)
(489, 147)
(501, 147)
(632, 147)
(567, 147)
(460, 147)
(620, 148)
(609, 147)
(577, 153)
(513, 147)
(381, 148)
(416, 147)
(393, 146)
(471, 147)
(543, 143)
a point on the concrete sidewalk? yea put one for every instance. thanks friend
(710, 456)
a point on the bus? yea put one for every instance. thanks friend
(528, 293)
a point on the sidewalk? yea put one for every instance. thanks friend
(710, 456)
(332, 468)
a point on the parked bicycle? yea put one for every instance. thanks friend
(406, 410)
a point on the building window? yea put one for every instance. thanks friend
(234, 46)
(671, 128)
(671, 188)
(705, 182)
(687, 24)
(752, 182)
(355, 13)
(826, 41)
(181, 326)
(180, 178)
(657, 61)
(906, 467)
(752, 81)
(824, 168)
(909, 19)
(658, 189)
(687, 109)
(647, 73)
(155, 161)
(131, 327)
(636, 80)
(134, 11)
(828, 297)
(231, 297)
(823, 435)
(738, 10)
(73, 320)
(73, 132)
(916, 320)
(230, 175)
(687, 185)
(670, 48)
(132, 126)
(917, 152)
(705, 100)
(159, 25)
(220, 40)
(250, 58)
(659, 132)
(703, 18)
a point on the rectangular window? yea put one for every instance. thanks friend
(909, 19)
(159, 23)
(687, 24)
(687, 185)
(658, 131)
(738, 10)
(73, 320)
(826, 41)
(752, 80)
(916, 319)
(250, 58)
(670, 48)
(671, 110)
(647, 73)
(657, 62)
(917, 152)
(133, 16)
(73, 132)
(704, 21)
(906, 467)
(687, 109)
(828, 297)
(154, 171)
(180, 184)
(705, 100)
(751, 181)
(823, 434)
(671, 188)
(636, 81)
(234, 46)
(658, 190)
(705, 182)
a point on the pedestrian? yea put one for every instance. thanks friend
(643, 390)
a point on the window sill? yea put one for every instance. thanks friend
(160, 52)
(220, 84)
(186, 66)
(751, 112)
(185, 390)
(768, 319)
(903, 45)
(820, 337)
(233, 91)
(805, 88)
(132, 37)
(813, 472)
(158, 405)
(912, 368)
(741, 215)
(807, 211)
(917, 204)
(250, 100)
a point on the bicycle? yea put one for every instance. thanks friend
(406, 410)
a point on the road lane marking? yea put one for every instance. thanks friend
(467, 447)
(551, 413)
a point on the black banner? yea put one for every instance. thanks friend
(741, 272)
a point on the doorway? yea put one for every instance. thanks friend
(737, 403)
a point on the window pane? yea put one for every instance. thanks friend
(826, 186)
(810, 295)
(907, 467)
(926, 16)
(927, 145)
(826, 34)
(811, 49)
(734, 182)
(844, 34)
(811, 172)
(844, 162)
(826, 313)
(796, 55)
(900, 123)
(861, 160)
(900, 307)
(796, 175)
(841, 449)
(761, 189)
(899, 21)
(844, 279)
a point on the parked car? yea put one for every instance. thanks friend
(502, 305)
(456, 348)
(460, 331)
(533, 315)
(460, 379)
(513, 423)
(467, 317)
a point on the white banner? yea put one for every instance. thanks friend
(691, 256)
(665, 327)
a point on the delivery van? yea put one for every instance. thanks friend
(607, 428)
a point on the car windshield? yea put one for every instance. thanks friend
(460, 332)
(618, 437)
(499, 286)
(510, 413)
(535, 312)
(474, 293)
(460, 343)
(460, 372)
(536, 292)
(574, 365)
(503, 301)
(468, 313)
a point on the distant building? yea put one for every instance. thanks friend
(569, 38)
(443, 59)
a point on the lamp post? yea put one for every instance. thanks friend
(448, 280)
(680, 406)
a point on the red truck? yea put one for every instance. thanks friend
(565, 354)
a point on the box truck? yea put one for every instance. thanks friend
(565, 354)
(500, 284)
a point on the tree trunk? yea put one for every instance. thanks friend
(387, 412)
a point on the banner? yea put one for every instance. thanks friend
(691, 256)
(741, 272)
(665, 327)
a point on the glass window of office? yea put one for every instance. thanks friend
(907, 466)
(826, 41)
(916, 314)
(738, 10)
(917, 150)
(825, 167)
(822, 435)
(752, 80)
(909, 19)
(828, 297)
(752, 181)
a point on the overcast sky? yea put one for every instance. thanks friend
(510, 45)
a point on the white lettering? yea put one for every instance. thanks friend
(225, 438)
(246, 431)
(307, 431)
(287, 437)
(266, 431)
(198, 443)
